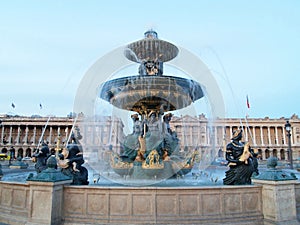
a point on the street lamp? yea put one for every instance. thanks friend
(288, 129)
(1, 173)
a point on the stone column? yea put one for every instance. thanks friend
(276, 136)
(34, 136)
(2, 135)
(284, 135)
(57, 136)
(246, 134)
(207, 136)
(254, 136)
(223, 131)
(262, 136)
(50, 135)
(292, 135)
(18, 135)
(10, 135)
(67, 135)
(269, 136)
(26, 135)
(199, 135)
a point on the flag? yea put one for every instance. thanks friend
(248, 103)
(41, 106)
(13, 105)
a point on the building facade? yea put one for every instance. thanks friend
(20, 136)
(266, 135)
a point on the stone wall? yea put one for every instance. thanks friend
(14, 202)
(26, 204)
(151, 205)
(297, 196)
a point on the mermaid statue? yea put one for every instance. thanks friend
(241, 159)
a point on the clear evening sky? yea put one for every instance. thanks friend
(251, 47)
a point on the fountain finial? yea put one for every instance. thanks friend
(151, 34)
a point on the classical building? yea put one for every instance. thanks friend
(266, 135)
(20, 136)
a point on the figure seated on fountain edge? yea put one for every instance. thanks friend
(241, 159)
(70, 160)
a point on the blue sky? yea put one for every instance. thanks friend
(251, 47)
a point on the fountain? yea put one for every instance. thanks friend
(152, 149)
(148, 157)
(128, 125)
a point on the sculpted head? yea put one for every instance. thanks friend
(237, 134)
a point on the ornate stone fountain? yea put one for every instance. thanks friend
(152, 149)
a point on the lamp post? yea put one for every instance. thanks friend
(1, 173)
(288, 129)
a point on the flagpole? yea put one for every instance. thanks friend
(246, 118)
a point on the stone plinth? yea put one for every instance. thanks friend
(279, 202)
(46, 202)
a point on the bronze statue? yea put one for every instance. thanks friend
(151, 67)
(71, 160)
(241, 159)
(41, 158)
(167, 118)
(136, 123)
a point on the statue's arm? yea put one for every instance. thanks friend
(79, 159)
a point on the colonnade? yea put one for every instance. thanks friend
(22, 134)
